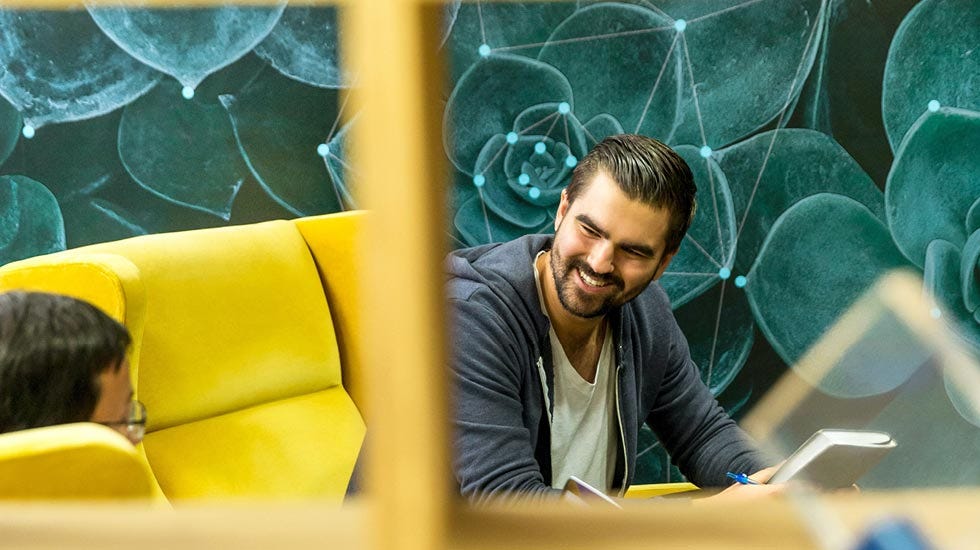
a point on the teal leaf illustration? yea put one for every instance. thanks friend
(477, 224)
(512, 27)
(954, 298)
(449, 19)
(709, 246)
(92, 221)
(305, 45)
(842, 97)
(933, 62)
(71, 166)
(770, 172)
(280, 125)
(933, 183)
(653, 464)
(30, 221)
(188, 44)
(620, 60)
(502, 193)
(520, 175)
(719, 328)
(810, 271)
(10, 126)
(600, 127)
(182, 150)
(343, 176)
(553, 121)
(488, 99)
(961, 397)
(973, 217)
(58, 66)
(738, 77)
(76, 171)
(231, 79)
(99, 200)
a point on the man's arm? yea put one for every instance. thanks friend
(701, 438)
(494, 455)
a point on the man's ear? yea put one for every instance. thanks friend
(562, 208)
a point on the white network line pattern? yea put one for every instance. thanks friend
(679, 27)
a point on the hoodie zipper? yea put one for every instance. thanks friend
(622, 433)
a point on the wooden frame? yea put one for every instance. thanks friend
(409, 502)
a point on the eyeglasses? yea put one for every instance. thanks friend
(134, 426)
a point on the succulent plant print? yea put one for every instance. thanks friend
(831, 140)
(813, 179)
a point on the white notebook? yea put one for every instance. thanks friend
(834, 459)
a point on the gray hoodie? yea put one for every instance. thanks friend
(503, 381)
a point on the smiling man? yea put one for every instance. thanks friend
(562, 347)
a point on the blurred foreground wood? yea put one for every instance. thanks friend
(947, 518)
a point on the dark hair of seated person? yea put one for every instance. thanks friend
(53, 350)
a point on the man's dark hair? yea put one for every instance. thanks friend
(646, 170)
(52, 350)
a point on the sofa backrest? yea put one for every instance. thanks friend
(234, 354)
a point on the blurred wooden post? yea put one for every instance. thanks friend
(392, 47)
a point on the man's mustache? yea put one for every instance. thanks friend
(584, 268)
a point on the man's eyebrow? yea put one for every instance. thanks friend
(638, 248)
(586, 220)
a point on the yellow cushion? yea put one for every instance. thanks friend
(334, 242)
(232, 317)
(71, 461)
(263, 451)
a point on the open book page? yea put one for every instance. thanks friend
(577, 490)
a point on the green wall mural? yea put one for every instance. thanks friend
(831, 140)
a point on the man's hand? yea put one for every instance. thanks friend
(737, 491)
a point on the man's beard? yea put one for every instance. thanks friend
(574, 300)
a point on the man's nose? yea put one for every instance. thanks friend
(601, 257)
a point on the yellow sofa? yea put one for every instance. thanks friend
(239, 339)
(80, 461)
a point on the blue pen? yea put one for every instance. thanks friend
(742, 478)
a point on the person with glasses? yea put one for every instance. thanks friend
(63, 360)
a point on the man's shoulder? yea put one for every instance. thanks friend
(501, 266)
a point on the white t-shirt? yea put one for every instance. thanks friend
(583, 426)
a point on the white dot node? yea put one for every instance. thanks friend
(571, 161)
(724, 273)
(740, 281)
(706, 151)
(680, 25)
(512, 137)
(564, 107)
(28, 131)
(936, 313)
(523, 179)
(534, 192)
(187, 92)
(540, 147)
(323, 150)
(479, 180)
(934, 105)
(483, 50)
